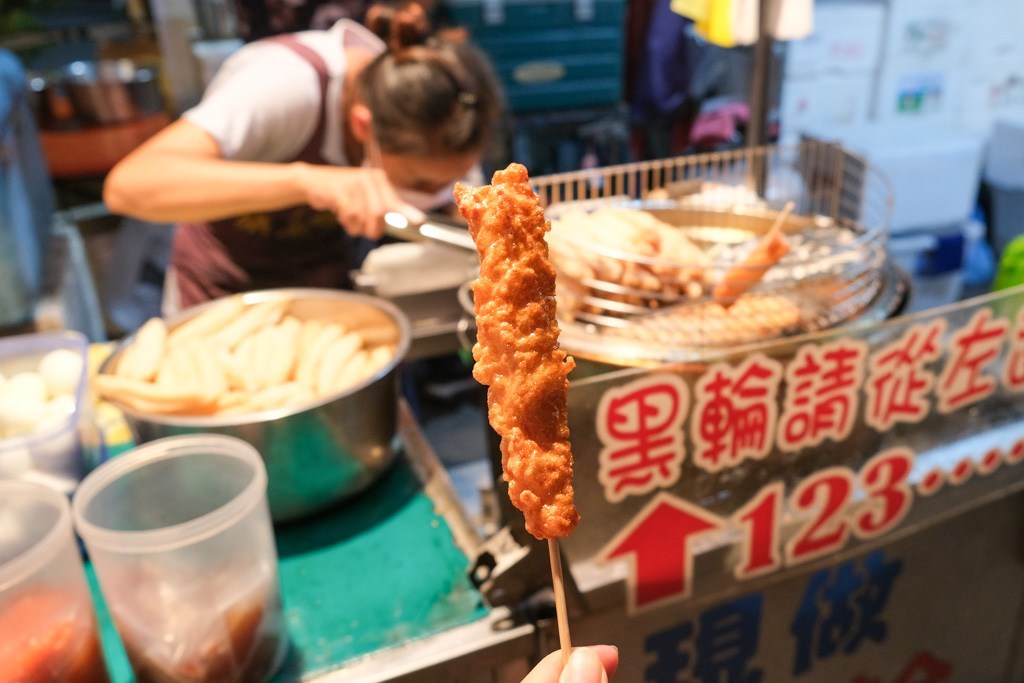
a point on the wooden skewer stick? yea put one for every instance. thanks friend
(779, 220)
(561, 612)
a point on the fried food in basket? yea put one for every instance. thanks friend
(750, 318)
(743, 276)
(517, 351)
(627, 247)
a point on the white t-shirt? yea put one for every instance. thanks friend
(264, 102)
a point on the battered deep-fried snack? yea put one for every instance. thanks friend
(742, 277)
(517, 353)
(767, 252)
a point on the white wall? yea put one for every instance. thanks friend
(960, 62)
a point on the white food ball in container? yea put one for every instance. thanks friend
(62, 405)
(27, 386)
(61, 370)
(58, 410)
(40, 386)
(20, 413)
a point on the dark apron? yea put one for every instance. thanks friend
(295, 247)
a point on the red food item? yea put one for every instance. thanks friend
(48, 635)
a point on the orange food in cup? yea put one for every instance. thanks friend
(48, 635)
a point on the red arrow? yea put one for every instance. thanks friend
(659, 539)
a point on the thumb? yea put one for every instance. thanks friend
(584, 666)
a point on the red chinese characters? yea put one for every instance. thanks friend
(822, 393)
(1013, 368)
(971, 350)
(924, 667)
(735, 412)
(640, 427)
(898, 383)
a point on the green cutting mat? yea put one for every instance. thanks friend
(373, 573)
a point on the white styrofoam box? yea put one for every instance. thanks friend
(847, 39)
(916, 95)
(934, 260)
(994, 33)
(826, 102)
(991, 93)
(926, 34)
(982, 121)
(994, 84)
(1004, 158)
(933, 170)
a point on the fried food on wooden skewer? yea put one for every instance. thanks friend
(743, 276)
(517, 351)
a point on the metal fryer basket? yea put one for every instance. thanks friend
(835, 271)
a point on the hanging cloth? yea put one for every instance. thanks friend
(713, 19)
(729, 23)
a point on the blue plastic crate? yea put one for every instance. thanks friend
(550, 54)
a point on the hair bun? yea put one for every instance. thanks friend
(400, 24)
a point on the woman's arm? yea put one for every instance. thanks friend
(179, 175)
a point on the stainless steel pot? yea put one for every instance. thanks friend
(318, 453)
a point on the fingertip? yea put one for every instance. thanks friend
(584, 666)
(609, 656)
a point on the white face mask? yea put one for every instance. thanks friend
(424, 201)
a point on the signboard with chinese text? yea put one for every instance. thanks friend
(835, 415)
(756, 467)
(942, 605)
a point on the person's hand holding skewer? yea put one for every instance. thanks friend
(595, 664)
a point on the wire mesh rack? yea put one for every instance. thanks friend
(794, 235)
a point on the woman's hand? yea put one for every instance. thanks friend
(595, 664)
(358, 197)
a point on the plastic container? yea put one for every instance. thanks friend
(550, 55)
(1004, 172)
(934, 170)
(179, 534)
(48, 629)
(934, 260)
(52, 453)
(1007, 215)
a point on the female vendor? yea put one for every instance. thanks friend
(299, 133)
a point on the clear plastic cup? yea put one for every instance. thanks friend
(48, 630)
(180, 536)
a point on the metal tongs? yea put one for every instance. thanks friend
(427, 229)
